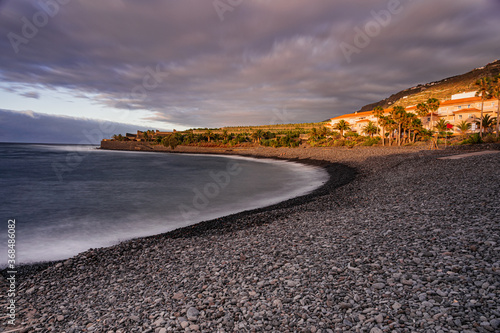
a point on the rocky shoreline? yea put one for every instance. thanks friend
(397, 241)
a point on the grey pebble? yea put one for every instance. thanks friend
(408, 245)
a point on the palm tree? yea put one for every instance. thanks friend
(495, 93)
(323, 131)
(257, 135)
(463, 127)
(189, 138)
(383, 121)
(408, 124)
(260, 134)
(378, 112)
(416, 127)
(483, 91)
(224, 134)
(398, 115)
(422, 109)
(370, 129)
(388, 126)
(314, 133)
(209, 134)
(442, 125)
(433, 105)
(487, 122)
(342, 126)
(393, 128)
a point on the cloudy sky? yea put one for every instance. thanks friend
(210, 63)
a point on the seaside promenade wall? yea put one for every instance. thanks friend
(125, 145)
(143, 146)
(133, 145)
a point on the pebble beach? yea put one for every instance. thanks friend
(398, 240)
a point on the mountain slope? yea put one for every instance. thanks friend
(441, 90)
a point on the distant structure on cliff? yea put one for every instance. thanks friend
(145, 135)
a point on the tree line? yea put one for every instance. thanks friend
(396, 127)
(405, 127)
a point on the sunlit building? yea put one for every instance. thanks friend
(464, 106)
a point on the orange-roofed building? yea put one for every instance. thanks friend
(462, 106)
(357, 120)
(457, 110)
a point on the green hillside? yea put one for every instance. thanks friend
(278, 128)
(441, 90)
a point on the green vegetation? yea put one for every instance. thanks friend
(494, 92)
(487, 87)
(442, 125)
(473, 139)
(483, 86)
(282, 128)
(370, 129)
(490, 138)
(487, 124)
(342, 126)
(378, 112)
(398, 127)
(170, 141)
(371, 141)
(210, 138)
(464, 127)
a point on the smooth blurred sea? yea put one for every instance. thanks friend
(66, 198)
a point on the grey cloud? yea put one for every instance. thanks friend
(264, 56)
(31, 94)
(32, 127)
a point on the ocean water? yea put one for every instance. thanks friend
(67, 199)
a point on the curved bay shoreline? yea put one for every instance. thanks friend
(339, 174)
(366, 252)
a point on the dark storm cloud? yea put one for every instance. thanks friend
(32, 127)
(267, 61)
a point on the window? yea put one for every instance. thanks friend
(459, 116)
(471, 116)
(460, 107)
(428, 119)
(468, 106)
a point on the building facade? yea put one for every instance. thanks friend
(464, 106)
